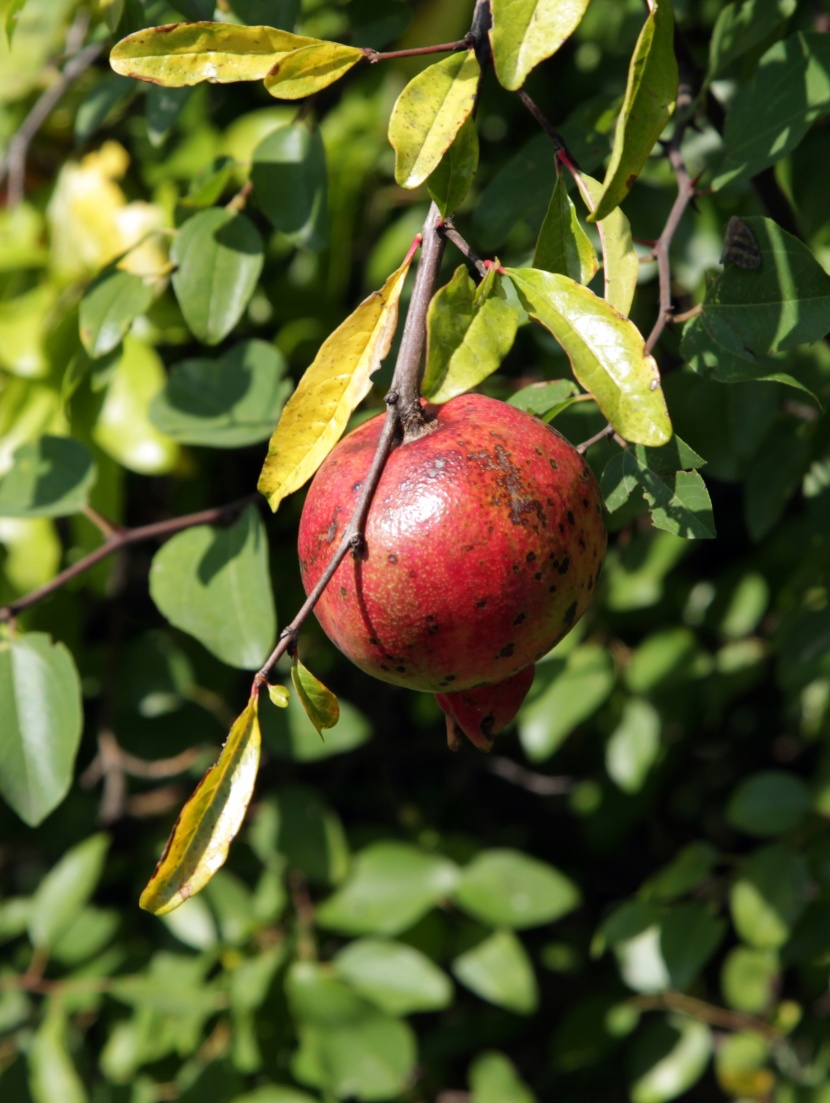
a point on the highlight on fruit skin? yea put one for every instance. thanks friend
(482, 548)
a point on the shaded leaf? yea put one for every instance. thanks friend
(545, 400)
(219, 254)
(390, 887)
(429, 113)
(65, 890)
(505, 888)
(500, 971)
(650, 95)
(310, 69)
(186, 53)
(319, 702)
(668, 1058)
(678, 499)
(606, 351)
(771, 802)
(772, 112)
(40, 701)
(305, 833)
(741, 27)
(620, 263)
(290, 733)
(562, 245)
(449, 183)
(290, 181)
(214, 584)
(769, 896)
(331, 388)
(52, 1074)
(528, 31)
(774, 477)
(224, 403)
(109, 307)
(50, 477)
(468, 336)
(398, 978)
(198, 845)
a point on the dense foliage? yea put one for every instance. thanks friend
(629, 898)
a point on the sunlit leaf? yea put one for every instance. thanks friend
(429, 113)
(279, 695)
(606, 351)
(562, 245)
(546, 400)
(65, 890)
(634, 745)
(620, 263)
(526, 32)
(109, 307)
(500, 971)
(310, 69)
(198, 845)
(742, 26)
(177, 54)
(768, 896)
(505, 888)
(396, 977)
(318, 701)
(219, 254)
(40, 702)
(52, 1074)
(668, 1059)
(449, 183)
(467, 337)
(494, 1079)
(331, 388)
(214, 583)
(649, 101)
(50, 477)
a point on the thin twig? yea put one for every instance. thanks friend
(540, 784)
(122, 538)
(14, 163)
(545, 123)
(707, 1013)
(448, 230)
(606, 431)
(405, 380)
(374, 56)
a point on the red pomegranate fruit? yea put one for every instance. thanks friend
(482, 547)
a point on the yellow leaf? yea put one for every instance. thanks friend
(310, 69)
(429, 113)
(198, 844)
(278, 695)
(336, 382)
(180, 54)
(621, 265)
(319, 702)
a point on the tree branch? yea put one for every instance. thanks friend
(707, 1013)
(122, 538)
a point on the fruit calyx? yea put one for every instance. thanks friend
(481, 713)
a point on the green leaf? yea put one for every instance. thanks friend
(305, 832)
(668, 1059)
(224, 403)
(319, 702)
(52, 1075)
(65, 889)
(769, 896)
(391, 886)
(650, 96)
(278, 695)
(493, 1079)
(768, 803)
(500, 971)
(449, 183)
(214, 584)
(562, 245)
(110, 92)
(331, 388)
(398, 978)
(678, 499)
(666, 659)
(634, 746)
(219, 255)
(310, 69)
(772, 112)
(773, 478)
(690, 868)
(689, 937)
(545, 400)
(750, 314)
(50, 477)
(574, 694)
(198, 845)
(109, 307)
(505, 888)
(290, 182)
(606, 351)
(525, 32)
(467, 337)
(370, 1058)
(741, 27)
(290, 734)
(749, 979)
(620, 263)
(40, 701)
(208, 186)
(429, 113)
(186, 53)
(123, 429)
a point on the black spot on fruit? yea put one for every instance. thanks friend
(392, 558)
(531, 556)
(373, 640)
(537, 575)
(521, 617)
(343, 591)
(480, 604)
(570, 613)
(564, 565)
(585, 502)
(402, 669)
(571, 518)
(449, 677)
(383, 666)
(507, 650)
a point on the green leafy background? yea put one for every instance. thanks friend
(629, 899)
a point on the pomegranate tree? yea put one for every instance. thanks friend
(481, 550)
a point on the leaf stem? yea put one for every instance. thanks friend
(707, 1013)
(374, 56)
(122, 538)
(448, 230)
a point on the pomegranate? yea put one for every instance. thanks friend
(482, 547)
